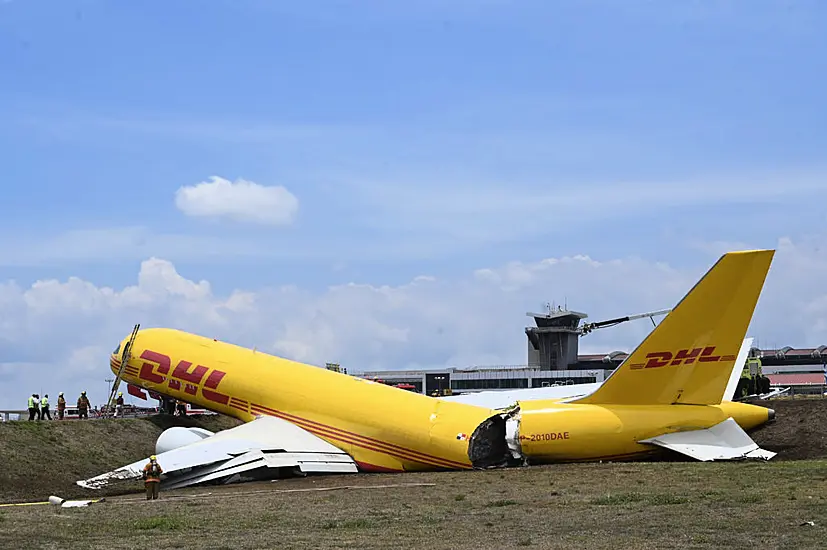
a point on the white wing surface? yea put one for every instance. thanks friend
(723, 441)
(255, 450)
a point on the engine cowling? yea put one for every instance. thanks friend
(173, 438)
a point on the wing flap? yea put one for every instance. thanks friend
(266, 442)
(723, 441)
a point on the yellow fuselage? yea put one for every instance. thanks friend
(555, 432)
(381, 427)
(388, 429)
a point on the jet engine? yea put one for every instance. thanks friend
(172, 438)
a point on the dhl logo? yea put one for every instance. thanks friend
(183, 375)
(657, 359)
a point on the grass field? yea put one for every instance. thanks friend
(632, 505)
(44, 458)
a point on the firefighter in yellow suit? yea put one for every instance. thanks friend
(152, 478)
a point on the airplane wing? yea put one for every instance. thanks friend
(505, 398)
(724, 441)
(256, 449)
(774, 393)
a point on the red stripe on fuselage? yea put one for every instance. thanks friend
(364, 441)
(338, 434)
(374, 468)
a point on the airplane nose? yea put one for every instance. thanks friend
(770, 414)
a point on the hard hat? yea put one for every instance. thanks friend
(61, 393)
(83, 393)
(152, 457)
(120, 393)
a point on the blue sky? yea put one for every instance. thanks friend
(431, 138)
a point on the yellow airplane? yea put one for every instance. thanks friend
(667, 394)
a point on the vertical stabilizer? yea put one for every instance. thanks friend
(689, 357)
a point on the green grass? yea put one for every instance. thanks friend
(600, 506)
(161, 523)
(681, 505)
(71, 450)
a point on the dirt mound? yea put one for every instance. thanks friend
(799, 431)
(46, 458)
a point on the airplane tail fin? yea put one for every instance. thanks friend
(689, 357)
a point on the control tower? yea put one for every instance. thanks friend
(553, 343)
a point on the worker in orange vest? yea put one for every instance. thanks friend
(152, 478)
(61, 405)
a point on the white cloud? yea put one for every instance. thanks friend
(241, 200)
(385, 220)
(59, 333)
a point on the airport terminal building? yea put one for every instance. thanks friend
(553, 359)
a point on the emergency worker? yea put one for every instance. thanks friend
(61, 405)
(44, 407)
(83, 406)
(152, 478)
(754, 363)
(32, 407)
(37, 405)
(119, 405)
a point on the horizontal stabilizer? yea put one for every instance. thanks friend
(724, 441)
(265, 443)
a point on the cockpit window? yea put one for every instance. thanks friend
(117, 349)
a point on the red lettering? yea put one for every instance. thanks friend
(148, 369)
(212, 382)
(132, 389)
(184, 375)
(214, 378)
(658, 359)
(707, 356)
(565, 435)
(690, 356)
(182, 372)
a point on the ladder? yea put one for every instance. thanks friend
(126, 355)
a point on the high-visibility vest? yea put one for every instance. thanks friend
(754, 366)
(31, 402)
(152, 471)
(44, 402)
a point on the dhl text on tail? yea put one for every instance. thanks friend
(668, 394)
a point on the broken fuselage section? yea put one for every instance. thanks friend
(541, 432)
